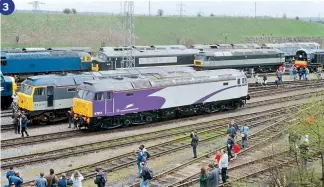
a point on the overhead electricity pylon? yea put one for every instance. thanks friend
(35, 5)
(129, 37)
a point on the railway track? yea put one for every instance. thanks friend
(259, 173)
(68, 134)
(248, 169)
(264, 92)
(270, 86)
(7, 127)
(179, 133)
(206, 135)
(172, 177)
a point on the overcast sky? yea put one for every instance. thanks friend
(273, 8)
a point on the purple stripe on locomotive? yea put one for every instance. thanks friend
(138, 102)
(123, 104)
(214, 93)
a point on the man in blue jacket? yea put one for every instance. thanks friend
(16, 179)
(63, 182)
(24, 122)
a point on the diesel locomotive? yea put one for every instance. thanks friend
(41, 62)
(261, 60)
(111, 103)
(8, 88)
(47, 98)
(313, 59)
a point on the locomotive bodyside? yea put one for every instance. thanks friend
(24, 63)
(259, 59)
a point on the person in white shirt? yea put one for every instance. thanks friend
(223, 165)
(77, 179)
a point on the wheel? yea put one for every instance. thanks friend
(148, 119)
(127, 122)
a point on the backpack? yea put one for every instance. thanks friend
(149, 174)
(54, 182)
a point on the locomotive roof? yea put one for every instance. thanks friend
(85, 49)
(311, 51)
(226, 46)
(240, 52)
(115, 54)
(59, 80)
(295, 45)
(170, 79)
(45, 54)
(71, 79)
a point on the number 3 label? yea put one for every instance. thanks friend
(7, 7)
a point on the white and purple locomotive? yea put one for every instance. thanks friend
(110, 103)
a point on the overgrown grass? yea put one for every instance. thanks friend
(53, 30)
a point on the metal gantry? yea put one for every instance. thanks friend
(129, 37)
(35, 5)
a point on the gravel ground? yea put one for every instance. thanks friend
(65, 164)
(273, 148)
(6, 120)
(59, 127)
(127, 176)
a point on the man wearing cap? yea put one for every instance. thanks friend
(63, 182)
(41, 181)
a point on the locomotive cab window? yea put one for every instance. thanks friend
(238, 81)
(39, 91)
(99, 96)
(129, 94)
(71, 89)
(225, 83)
(109, 95)
(3, 61)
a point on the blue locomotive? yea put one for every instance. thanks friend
(40, 62)
(8, 87)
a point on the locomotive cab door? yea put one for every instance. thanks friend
(109, 103)
(50, 96)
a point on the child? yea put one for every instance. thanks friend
(218, 157)
(236, 149)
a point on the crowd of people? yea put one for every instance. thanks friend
(51, 180)
(295, 73)
(210, 177)
(20, 122)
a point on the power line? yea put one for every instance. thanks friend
(149, 8)
(181, 9)
(255, 9)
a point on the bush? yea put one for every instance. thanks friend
(160, 12)
(67, 11)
